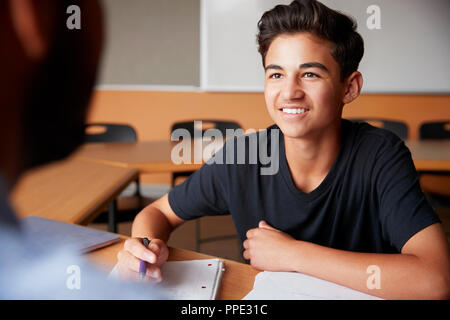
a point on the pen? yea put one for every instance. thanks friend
(143, 263)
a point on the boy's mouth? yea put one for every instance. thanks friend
(293, 111)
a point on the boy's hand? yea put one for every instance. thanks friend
(134, 251)
(269, 249)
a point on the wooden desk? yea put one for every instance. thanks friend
(237, 280)
(430, 155)
(73, 191)
(154, 156)
(144, 156)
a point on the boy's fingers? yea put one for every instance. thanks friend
(265, 225)
(129, 268)
(128, 261)
(153, 273)
(246, 255)
(155, 248)
(136, 248)
(250, 233)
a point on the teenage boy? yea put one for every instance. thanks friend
(346, 196)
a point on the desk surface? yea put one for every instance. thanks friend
(73, 191)
(145, 156)
(430, 155)
(155, 156)
(237, 280)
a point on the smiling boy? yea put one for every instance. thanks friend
(346, 196)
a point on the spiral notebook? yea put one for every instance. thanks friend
(52, 233)
(190, 279)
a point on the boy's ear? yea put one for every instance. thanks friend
(26, 25)
(353, 85)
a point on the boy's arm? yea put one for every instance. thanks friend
(155, 222)
(421, 271)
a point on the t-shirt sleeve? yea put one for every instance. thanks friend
(404, 211)
(202, 194)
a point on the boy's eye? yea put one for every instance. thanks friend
(310, 75)
(275, 76)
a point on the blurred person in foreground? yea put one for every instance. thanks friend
(48, 72)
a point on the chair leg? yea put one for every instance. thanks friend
(172, 184)
(197, 235)
(112, 209)
(138, 188)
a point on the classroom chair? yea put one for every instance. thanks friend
(126, 208)
(435, 130)
(397, 127)
(436, 185)
(109, 132)
(222, 126)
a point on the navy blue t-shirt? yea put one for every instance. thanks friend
(370, 200)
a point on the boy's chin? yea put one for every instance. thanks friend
(293, 132)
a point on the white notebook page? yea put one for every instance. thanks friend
(190, 279)
(298, 286)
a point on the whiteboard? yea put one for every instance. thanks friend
(408, 54)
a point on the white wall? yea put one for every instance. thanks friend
(212, 44)
(410, 53)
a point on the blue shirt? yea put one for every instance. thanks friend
(30, 271)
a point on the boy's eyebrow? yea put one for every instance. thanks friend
(302, 66)
(273, 66)
(313, 65)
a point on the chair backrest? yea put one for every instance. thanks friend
(109, 132)
(435, 130)
(397, 127)
(222, 126)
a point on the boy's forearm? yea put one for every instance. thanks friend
(402, 276)
(151, 223)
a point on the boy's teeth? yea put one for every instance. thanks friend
(292, 110)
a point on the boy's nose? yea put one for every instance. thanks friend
(292, 90)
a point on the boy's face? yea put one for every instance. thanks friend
(303, 90)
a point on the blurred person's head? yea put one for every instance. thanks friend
(48, 73)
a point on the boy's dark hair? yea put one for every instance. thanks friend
(314, 17)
